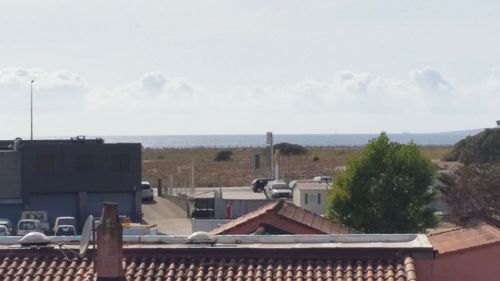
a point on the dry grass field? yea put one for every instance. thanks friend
(175, 164)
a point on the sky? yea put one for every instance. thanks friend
(247, 67)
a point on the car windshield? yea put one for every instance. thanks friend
(281, 186)
(65, 231)
(3, 230)
(27, 225)
(146, 186)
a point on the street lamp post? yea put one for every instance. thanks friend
(31, 101)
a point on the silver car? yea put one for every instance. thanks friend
(146, 191)
(277, 189)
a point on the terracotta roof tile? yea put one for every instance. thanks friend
(310, 184)
(463, 238)
(287, 211)
(142, 267)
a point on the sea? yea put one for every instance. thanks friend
(311, 140)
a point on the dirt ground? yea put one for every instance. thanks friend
(173, 166)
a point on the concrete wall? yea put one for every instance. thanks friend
(299, 199)
(179, 201)
(207, 224)
(237, 207)
(10, 174)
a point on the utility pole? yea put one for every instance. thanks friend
(31, 101)
(270, 154)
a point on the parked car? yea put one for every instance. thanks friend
(65, 230)
(278, 189)
(146, 191)
(4, 231)
(323, 179)
(64, 221)
(6, 223)
(26, 226)
(259, 184)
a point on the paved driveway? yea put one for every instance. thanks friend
(169, 218)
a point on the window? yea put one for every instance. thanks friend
(319, 198)
(306, 198)
(84, 163)
(312, 198)
(120, 163)
(45, 164)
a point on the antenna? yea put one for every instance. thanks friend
(86, 232)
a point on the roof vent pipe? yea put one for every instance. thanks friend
(109, 245)
(17, 144)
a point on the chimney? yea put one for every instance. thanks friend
(109, 258)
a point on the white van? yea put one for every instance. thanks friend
(64, 221)
(41, 216)
(28, 225)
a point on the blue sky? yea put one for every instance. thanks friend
(235, 67)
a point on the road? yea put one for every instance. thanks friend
(169, 218)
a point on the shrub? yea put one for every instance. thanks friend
(289, 149)
(315, 158)
(223, 155)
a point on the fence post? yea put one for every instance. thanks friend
(160, 188)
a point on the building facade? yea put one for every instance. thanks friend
(69, 177)
(311, 195)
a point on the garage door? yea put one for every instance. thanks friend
(56, 204)
(125, 201)
(11, 212)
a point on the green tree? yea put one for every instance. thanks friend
(386, 189)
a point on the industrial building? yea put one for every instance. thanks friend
(69, 177)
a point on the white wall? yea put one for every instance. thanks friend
(299, 199)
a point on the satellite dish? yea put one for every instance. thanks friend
(86, 234)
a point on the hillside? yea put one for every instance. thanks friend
(481, 148)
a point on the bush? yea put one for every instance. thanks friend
(289, 149)
(223, 155)
(315, 158)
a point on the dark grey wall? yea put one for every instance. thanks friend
(74, 167)
(10, 174)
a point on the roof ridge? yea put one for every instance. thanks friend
(340, 226)
(461, 227)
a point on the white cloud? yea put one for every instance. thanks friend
(59, 90)
(153, 91)
(431, 80)
(350, 102)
